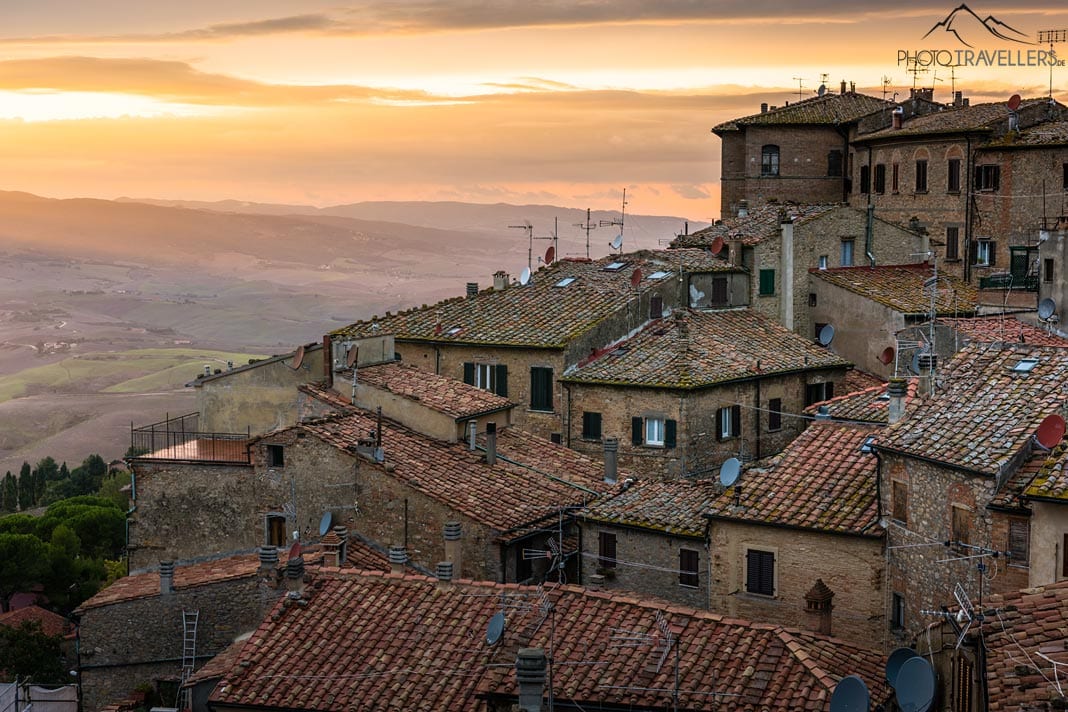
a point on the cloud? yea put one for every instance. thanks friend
(691, 192)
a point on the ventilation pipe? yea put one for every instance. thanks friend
(611, 460)
(897, 389)
(743, 208)
(166, 577)
(342, 534)
(530, 674)
(472, 289)
(472, 432)
(454, 546)
(268, 561)
(398, 557)
(491, 444)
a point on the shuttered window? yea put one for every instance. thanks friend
(760, 572)
(961, 531)
(689, 563)
(1019, 542)
(606, 550)
(767, 281)
(962, 684)
(591, 426)
(487, 376)
(729, 422)
(541, 388)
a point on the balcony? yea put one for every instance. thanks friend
(178, 439)
(1005, 280)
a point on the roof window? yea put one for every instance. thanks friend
(1025, 365)
(659, 274)
(564, 282)
(614, 266)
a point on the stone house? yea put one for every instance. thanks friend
(795, 152)
(797, 541)
(869, 306)
(690, 391)
(515, 340)
(778, 245)
(650, 538)
(419, 643)
(954, 474)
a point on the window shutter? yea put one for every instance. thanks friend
(502, 380)
(636, 431)
(469, 374)
(721, 415)
(973, 247)
(977, 183)
(993, 253)
(828, 390)
(767, 572)
(752, 571)
(669, 433)
(736, 420)
(1019, 539)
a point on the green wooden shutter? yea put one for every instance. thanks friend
(636, 431)
(669, 433)
(469, 373)
(736, 420)
(502, 380)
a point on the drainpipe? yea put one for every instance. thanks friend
(756, 412)
(567, 387)
(133, 496)
(967, 178)
(869, 234)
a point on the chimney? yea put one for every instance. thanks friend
(743, 208)
(530, 674)
(764, 107)
(491, 444)
(295, 575)
(166, 577)
(596, 582)
(843, 86)
(331, 550)
(611, 460)
(454, 546)
(897, 389)
(500, 280)
(398, 557)
(928, 364)
(268, 562)
(734, 249)
(818, 607)
(823, 413)
(472, 433)
(444, 574)
(343, 534)
(966, 102)
(328, 361)
(896, 116)
(472, 289)
(958, 98)
(852, 87)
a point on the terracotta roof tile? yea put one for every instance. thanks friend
(539, 314)
(695, 349)
(831, 109)
(530, 477)
(857, 380)
(967, 119)
(218, 666)
(674, 507)
(870, 405)
(445, 395)
(1050, 478)
(361, 554)
(901, 287)
(1051, 133)
(983, 418)
(51, 623)
(836, 495)
(1003, 329)
(1025, 637)
(403, 642)
(762, 223)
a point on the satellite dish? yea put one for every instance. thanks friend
(1050, 431)
(616, 243)
(495, 629)
(524, 276)
(826, 335)
(895, 661)
(636, 277)
(1014, 102)
(324, 523)
(729, 471)
(298, 358)
(1046, 307)
(915, 686)
(717, 245)
(354, 353)
(887, 356)
(850, 695)
(550, 255)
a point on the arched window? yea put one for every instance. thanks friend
(769, 160)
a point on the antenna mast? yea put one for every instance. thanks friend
(622, 219)
(800, 87)
(1052, 37)
(587, 226)
(530, 239)
(886, 86)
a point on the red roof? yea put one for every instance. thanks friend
(1003, 329)
(870, 405)
(51, 623)
(445, 395)
(413, 644)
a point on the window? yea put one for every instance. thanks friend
(987, 177)
(775, 414)
(953, 175)
(984, 252)
(921, 176)
(555, 438)
(729, 422)
(606, 550)
(541, 388)
(591, 426)
(834, 163)
(760, 572)
(689, 561)
(1047, 269)
(823, 261)
(767, 281)
(953, 243)
(719, 291)
(897, 612)
(654, 432)
(1019, 542)
(1066, 176)
(276, 456)
(865, 179)
(276, 530)
(847, 252)
(818, 392)
(487, 376)
(769, 160)
(656, 306)
(900, 501)
(961, 525)
(895, 177)
(880, 178)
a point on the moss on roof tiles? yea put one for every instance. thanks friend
(901, 287)
(830, 109)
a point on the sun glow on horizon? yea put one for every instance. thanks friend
(36, 106)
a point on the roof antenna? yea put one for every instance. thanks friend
(530, 240)
(617, 243)
(800, 87)
(587, 226)
(1052, 37)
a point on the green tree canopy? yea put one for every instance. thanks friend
(23, 562)
(28, 653)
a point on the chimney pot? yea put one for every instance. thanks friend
(472, 289)
(823, 413)
(472, 433)
(398, 557)
(896, 116)
(530, 674)
(897, 390)
(166, 577)
(927, 363)
(331, 550)
(343, 534)
(295, 574)
(491, 444)
(454, 546)
(743, 208)
(596, 582)
(611, 460)
(500, 280)
(843, 86)
(444, 572)
(764, 107)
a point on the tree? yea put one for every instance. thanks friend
(10, 493)
(47, 469)
(28, 653)
(26, 498)
(64, 473)
(112, 489)
(23, 560)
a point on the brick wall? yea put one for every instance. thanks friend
(139, 641)
(854, 572)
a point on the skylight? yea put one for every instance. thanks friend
(1025, 365)
(564, 282)
(659, 274)
(454, 331)
(614, 266)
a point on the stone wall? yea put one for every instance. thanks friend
(863, 328)
(137, 641)
(854, 572)
(1049, 537)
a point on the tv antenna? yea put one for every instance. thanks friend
(617, 243)
(556, 231)
(886, 86)
(1052, 37)
(915, 70)
(530, 240)
(800, 87)
(587, 226)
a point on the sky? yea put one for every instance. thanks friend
(562, 102)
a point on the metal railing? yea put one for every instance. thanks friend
(1008, 281)
(179, 439)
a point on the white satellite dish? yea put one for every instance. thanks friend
(616, 242)
(729, 470)
(524, 276)
(1046, 307)
(826, 335)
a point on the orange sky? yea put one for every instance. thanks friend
(559, 102)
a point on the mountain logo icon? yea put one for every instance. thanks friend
(964, 24)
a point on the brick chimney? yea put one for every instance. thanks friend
(818, 607)
(331, 550)
(166, 577)
(611, 460)
(491, 444)
(454, 546)
(896, 116)
(398, 557)
(530, 674)
(928, 364)
(897, 390)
